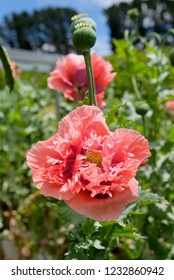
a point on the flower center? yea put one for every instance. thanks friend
(94, 157)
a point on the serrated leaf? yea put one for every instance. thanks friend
(147, 197)
(7, 67)
(126, 212)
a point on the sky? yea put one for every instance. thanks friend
(92, 7)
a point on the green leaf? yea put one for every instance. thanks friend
(7, 67)
(112, 113)
(170, 135)
(147, 197)
(69, 214)
(122, 219)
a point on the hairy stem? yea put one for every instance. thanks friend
(91, 82)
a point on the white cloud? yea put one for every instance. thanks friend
(102, 46)
(108, 3)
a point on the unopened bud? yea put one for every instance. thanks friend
(133, 14)
(142, 108)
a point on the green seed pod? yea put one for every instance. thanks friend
(83, 31)
(142, 108)
(171, 57)
(84, 38)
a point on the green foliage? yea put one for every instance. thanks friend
(86, 241)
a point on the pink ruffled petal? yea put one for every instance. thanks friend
(130, 143)
(56, 191)
(36, 155)
(69, 65)
(81, 121)
(102, 72)
(57, 82)
(104, 209)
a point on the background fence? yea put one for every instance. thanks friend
(29, 60)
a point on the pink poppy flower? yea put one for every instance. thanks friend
(170, 105)
(16, 70)
(70, 76)
(89, 167)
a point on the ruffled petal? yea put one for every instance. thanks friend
(83, 120)
(130, 143)
(58, 82)
(104, 209)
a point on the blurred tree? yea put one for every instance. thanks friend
(155, 16)
(46, 29)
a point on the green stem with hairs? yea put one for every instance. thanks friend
(91, 82)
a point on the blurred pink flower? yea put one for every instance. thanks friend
(16, 70)
(170, 105)
(70, 76)
(89, 167)
(43, 241)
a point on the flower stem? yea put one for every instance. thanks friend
(91, 82)
(79, 94)
(135, 86)
(144, 125)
